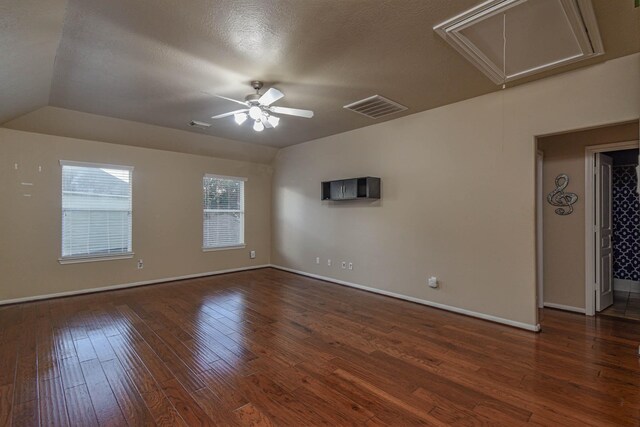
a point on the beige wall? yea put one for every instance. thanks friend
(167, 219)
(458, 198)
(564, 236)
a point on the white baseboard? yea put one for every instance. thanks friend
(130, 285)
(626, 285)
(521, 325)
(565, 307)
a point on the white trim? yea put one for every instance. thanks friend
(235, 178)
(589, 211)
(81, 259)
(130, 285)
(591, 23)
(95, 165)
(565, 307)
(579, 14)
(539, 227)
(223, 248)
(521, 325)
(614, 146)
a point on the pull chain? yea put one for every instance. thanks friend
(504, 50)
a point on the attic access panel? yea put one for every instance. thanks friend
(540, 35)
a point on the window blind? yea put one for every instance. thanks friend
(223, 211)
(96, 210)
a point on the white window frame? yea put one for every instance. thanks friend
(75, 259)
(228, 247)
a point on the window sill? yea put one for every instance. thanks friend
(223, 248)
(78, 260)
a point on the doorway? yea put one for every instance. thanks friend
(612, 232)
(565, 215)
(625, 221)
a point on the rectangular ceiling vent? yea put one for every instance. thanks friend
(199, 125)
(375, 106)
(512, 39)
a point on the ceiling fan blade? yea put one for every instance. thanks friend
(230, 113)
(293, 112)
(270, 96)
(231, 99)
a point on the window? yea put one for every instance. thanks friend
(96, 211)
(223, 212)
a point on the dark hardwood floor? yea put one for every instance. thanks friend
(267, 347)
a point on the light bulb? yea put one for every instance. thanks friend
(258, 126)
(255, 112)
(273, 121)
(240, 118)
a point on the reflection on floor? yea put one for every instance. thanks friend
(265, 347)
(625, 304)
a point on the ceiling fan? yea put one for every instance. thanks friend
(259, 109)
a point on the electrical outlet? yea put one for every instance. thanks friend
(252, 254)
(318, 260)
(329, 262)
(433, 282)
(350, 266)
(344, 264)
(140, 264)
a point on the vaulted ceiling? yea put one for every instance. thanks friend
(160, 61)
(30, 32)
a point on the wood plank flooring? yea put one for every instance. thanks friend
(267, 348)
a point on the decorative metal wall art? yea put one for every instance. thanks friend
(558, 197)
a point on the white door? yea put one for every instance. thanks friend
(604, 232)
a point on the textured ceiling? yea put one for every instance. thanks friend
(30, 33)
(159, 61)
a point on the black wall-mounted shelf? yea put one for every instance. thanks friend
(351, 189)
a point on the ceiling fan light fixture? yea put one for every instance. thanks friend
(258, 126)
(240, 118)
(258, 108)
(255, 112)
(274, 121)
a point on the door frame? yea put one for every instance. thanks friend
(539, 227)
(590, 203)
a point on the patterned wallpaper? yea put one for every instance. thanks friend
(626, 224)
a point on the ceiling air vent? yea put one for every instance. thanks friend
(511, 39)
(375, 107)
(199, 125)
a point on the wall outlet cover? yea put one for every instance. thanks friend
(252, 254)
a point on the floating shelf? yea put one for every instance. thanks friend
(351, 189)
